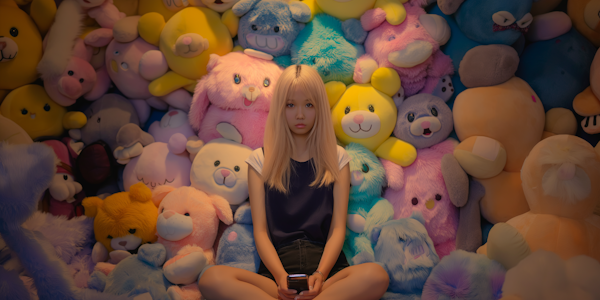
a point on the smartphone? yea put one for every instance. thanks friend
(298, 282)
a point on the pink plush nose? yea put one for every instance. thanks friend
(123, 243)
(567, 171)
(425, 124)
(172, 113)
(358, 119)
(225, 173)
(70, 87)
(187, 40)
(2, 45)
(168, 214)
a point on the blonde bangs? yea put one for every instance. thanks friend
(278, 141)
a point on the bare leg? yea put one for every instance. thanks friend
(228, 283)
(363, 282)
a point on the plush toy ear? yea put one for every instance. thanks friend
(99, 38)
(228, 131)
(222, 208)
(456, 180)
(160, 192)
(335, 90)
(244, 6)
(449, 7)
(213, 61)
(152, 254)
(91, 205)
(372, 18)
(394, 174)
(375, 233)
(139, 192)
(417, 215)
(386, 80)
(177, 143)
(300, 12)
(437, 27)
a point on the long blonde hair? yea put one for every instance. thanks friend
(278, 141)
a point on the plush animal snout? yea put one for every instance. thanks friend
(265, 42)
(357, 178)
(8, 49)
(173, 226)
(70, 87)
(63, 189)
(361, 124)
(425, 126)
(128, 242)
(190, 45)
(224, 176)
(430, 204)
(567, 171)
(250, 93)
(415, 53)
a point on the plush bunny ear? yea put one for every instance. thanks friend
(449, 7)
(300, 12)
(437, 27)
(160, 192)
(243, 7)
(99, 38)
(228, 131)
(375, 233)
(152, 254)
(222, 208)
(372, 18)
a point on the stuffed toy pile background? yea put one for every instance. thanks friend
(125, 126)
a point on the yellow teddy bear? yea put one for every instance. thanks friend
(186, 41)
(354, 9)
(366, 114)
(123, 221)
(32, 109)
(21, 42)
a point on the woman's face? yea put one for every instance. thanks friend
(299, 112)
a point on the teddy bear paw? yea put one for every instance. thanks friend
(190, 45)
(591, 124)
(124, 155)
(185, 269)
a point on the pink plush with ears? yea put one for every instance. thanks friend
(160, 164)
(238, 90)
(419, 33)
(173, 122)
(423, 181)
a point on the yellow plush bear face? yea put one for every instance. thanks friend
(345, 9)
(364, 115)
(190, 36)
(125, 220)
(32, 109)
(20, 45)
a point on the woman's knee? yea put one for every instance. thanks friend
(212, 276)
(375, 274)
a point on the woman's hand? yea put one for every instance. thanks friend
(315, 283)
(282, 289)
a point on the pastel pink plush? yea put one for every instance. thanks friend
(423, 181)
(106, 14)
(396, 47)
(237, 89)
(160, 164)
(199, 227)
(174, 121)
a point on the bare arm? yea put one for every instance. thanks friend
(337, 231)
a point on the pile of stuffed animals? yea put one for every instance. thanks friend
(125, 126)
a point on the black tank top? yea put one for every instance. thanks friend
(304, 213)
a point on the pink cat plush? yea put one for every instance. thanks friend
(411, 48)
(238, 90)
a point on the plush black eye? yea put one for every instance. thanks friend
(434, 112)
(365, 168)
(415, 201)
(371, 108)
(70, 73)
(217, 163)
(47, 107)
(400, 239)
(187, 214)
(132, 231)
(24, 111)
(438, 197)
(314, 61)
(81, 80)
(236, 168)
(254, 28)
(14, 31)
(276, 29)
(391, 38)
(411, 117)
(98, 121)
(237, 79)
(163, 210)
(347, 111)
(109, 237)
(65, 177)
(267, 82)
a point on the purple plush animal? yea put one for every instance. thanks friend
(412, 48)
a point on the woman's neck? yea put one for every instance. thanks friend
(301, 152)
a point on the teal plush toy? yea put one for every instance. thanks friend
(323, 45)
(236, 246)
(366, 208)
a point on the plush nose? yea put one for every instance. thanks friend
(225, 173)
(567, 171)
(168, 214)
(123, 243)
(251, 89)
(358, 119)
(187, 40)
(172, 113)
(425, 124)
(2, 45)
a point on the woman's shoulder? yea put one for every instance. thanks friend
(256, 159)
(343, 157)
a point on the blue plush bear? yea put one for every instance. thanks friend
(270, 26)
(558, 69)
(481, 22)
(137, 274)
(366, 207)
(405, 250)
(236, 246)
(323, 45)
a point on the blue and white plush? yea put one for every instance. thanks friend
(270, 26)
(323, 45)
(480, 22)
(137, 274)
(236, 246)
(465, 275)
(366, 207)
(405, 250)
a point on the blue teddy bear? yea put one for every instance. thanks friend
(325, 45)
(366, 207)
(270, 26)
(236, 246)
(406, 252)
(482, 22)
